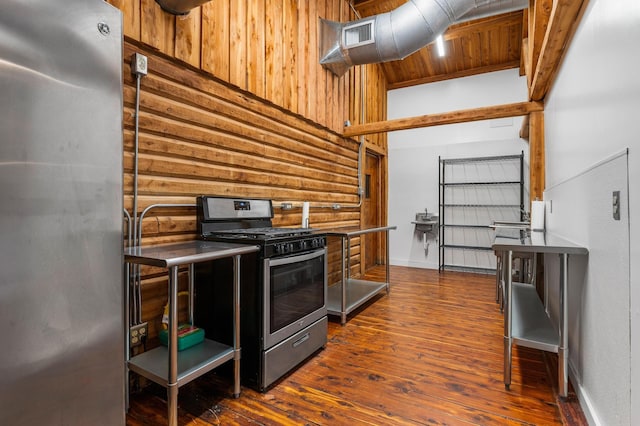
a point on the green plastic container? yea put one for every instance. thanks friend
(188, 336)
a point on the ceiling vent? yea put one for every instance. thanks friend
(397, 34)
(358, 34)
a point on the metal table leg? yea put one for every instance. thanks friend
(388, 277)
(563, 349)
(345, 272)
(236, 326)
(506, 266)
(172, 379)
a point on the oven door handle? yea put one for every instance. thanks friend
(301, 340)
(296, 258)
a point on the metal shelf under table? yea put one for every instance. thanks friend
(167, 366)
(530, 324)
(192, 362)
(357, 292)
(344, 297)
(526, 322)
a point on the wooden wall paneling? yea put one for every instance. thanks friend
(319, 95)
(274, 78)
(513, 52)
(290, 54)
(238, 37)
(347, 93)
(256, 48)
(176, 149)
(313, 65)
(157, 27)
(356, 98)
(304, 57)
(215, 38)
(268, 47)
(338, 115)
(163, 99)
(248, 126)
(130, 16)
(237, 105)
(326, 96)
(188, 47)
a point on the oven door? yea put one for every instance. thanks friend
(295, 294)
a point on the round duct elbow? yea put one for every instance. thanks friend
(180, 7)
(395, 35)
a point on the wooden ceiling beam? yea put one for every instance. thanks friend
(539, 13)
(563, 21)
(454, 117)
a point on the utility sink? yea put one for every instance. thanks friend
(425, 222)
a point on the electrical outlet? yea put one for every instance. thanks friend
(616, 205)
(138, 334)
(138, 64)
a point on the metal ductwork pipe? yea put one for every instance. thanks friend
(397, 34)
(180, 7)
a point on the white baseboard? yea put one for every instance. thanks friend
(413, 264)
(585, 402)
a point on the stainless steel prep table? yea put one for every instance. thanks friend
(349, 294)
(164, 365)
(526, 322)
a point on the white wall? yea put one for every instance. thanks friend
(413, 154)
(592, 114)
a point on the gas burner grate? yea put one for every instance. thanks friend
(267, 232)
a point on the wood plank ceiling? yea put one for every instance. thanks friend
(474, 47)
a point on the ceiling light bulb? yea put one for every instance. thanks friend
(440, 45)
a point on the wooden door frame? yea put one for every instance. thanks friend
(382, 209)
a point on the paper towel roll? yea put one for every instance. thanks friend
(305, 214)
(537, 216)
(537, 238)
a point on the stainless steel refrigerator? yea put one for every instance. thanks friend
(61, 208)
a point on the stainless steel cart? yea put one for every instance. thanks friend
(526, 322)
(164, 365)
(349, 294)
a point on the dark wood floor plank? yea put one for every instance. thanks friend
(430, 352)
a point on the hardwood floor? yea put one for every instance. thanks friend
(430, 352)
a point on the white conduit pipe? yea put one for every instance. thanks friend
(399, 33)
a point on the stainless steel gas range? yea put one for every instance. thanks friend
(283, 288)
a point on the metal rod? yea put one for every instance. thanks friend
(522, 186)
(563, 350)
(127, 314)
(507, 267)
(172, 379)
(191, 291)
(387, 262)
(137, 277)
(136, 269)
(131, 311)
(236, 326)
(343, 300)
(135, 157)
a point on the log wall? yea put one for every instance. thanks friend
(236, 104)
(267, 47)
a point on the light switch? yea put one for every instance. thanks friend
(616, 205)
